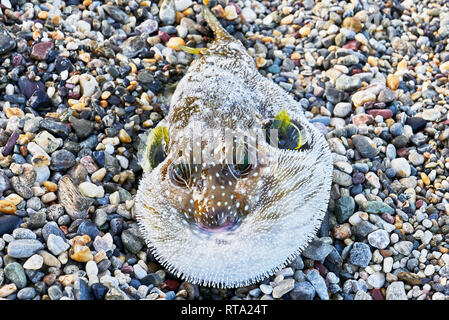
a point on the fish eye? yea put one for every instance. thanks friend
(240, 170)
(241, 167)
(180, 174)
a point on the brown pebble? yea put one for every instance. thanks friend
(124, 136)
(7, 207)
(50, 186)
(49, 279)
(67, 279)
(7, 290)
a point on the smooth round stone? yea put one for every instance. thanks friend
(404, 247)
(377, 207)
(34, 262)
(26, 293)
(167, 12)
(15, 273)
(342, 109)
(390, 151)
(9, 223)
(379, 239)
(390, 172)
(24, 248)
(365, 146)
(139, 272)
(181, 5)
(415, 158)
(91, 190)
(396, 291)
(429, 270)
(22, 233)
(54, 292)
(249, 14)
(376, 280)
(416, 123)
(91, 268)
(116, 13)
(431, 114)
(56, 244)
(347, 83)
(341, 178)
(62, 160)
(401, 166)
(266, 289)
(149, 26)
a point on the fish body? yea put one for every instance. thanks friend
(241, 216)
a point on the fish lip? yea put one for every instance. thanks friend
(230, 224)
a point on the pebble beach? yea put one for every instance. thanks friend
(82, 81)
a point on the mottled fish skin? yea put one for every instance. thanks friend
(274, 211)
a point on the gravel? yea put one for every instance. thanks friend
(81, 82)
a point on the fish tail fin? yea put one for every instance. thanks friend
(218, 30)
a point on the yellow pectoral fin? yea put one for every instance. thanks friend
(284, 119)
(302, 139)
(192, 50)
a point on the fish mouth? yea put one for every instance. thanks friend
(225, 223)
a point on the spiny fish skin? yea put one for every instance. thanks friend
(231, 225)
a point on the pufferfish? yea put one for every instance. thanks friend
(242, 216)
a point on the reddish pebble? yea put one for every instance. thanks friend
(387, 217)
(321, 269)
(418, 203)
(385, 113)
(127, 269)
(73, 95)
(17, 60)
(171, 285)
(353, 45)
(403, 152)
(361, 119)
(377, 294)
(296, 35)
(297, 62)
(355, 71)
(238, 10)
(40, 50)
(163, 36)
